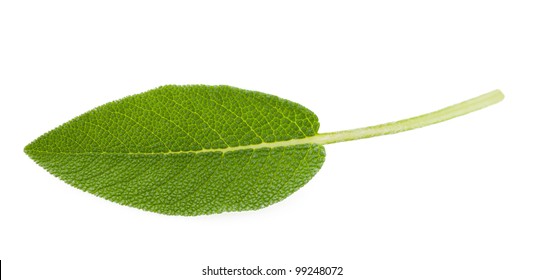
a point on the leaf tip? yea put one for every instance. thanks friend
(28, 149)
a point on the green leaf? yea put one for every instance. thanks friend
(193, 150)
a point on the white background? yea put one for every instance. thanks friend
(458, 200)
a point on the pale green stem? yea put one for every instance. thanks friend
(445, 114)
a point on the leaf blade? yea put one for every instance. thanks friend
(131, 151)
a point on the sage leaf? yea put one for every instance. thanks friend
(198, 149)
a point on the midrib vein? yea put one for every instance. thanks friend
(444, 114)
(292, 142)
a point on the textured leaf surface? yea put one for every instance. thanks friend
(186, 150)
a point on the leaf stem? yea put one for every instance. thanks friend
(445, 114)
